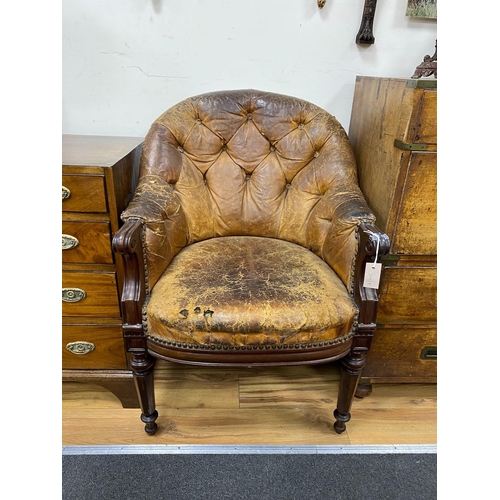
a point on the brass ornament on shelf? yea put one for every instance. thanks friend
(66, 193)
(69, 242)
(81, 347)
(73, 294)
(428, 66)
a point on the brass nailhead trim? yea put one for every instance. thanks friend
(184, 345)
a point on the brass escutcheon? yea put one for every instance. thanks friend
(69, 242)
(73, 294)
(66, 193)
(80, 347)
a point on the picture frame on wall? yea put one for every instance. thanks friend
(422, 8)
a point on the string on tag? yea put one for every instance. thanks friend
(376, 250)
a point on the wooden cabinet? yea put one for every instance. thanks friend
(394, 136)
(98, 178)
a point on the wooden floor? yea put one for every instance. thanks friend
(280, 406)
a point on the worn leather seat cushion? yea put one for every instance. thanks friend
(249, 291)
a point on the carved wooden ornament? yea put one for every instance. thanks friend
(428, 66)
(365, 34)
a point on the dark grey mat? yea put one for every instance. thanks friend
(248, 477)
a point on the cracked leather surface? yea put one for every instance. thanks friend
(249, 163)
(254, 291)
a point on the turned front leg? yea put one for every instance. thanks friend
(142, 366)
(352, 366)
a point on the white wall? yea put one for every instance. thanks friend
(124, 62)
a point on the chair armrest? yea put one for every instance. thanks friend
(347, 209)
(373, 244)
(127, 242)
(165, 230)
(351, 242)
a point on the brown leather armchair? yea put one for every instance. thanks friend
(246, 242)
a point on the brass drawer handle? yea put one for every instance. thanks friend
(66, 193)
(80, 347)
(69, 242)
(73, 294)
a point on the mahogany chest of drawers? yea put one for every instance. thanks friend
(394, 136)
(99, 174)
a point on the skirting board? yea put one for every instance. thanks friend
(242, 449)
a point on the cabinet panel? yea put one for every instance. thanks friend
(426, 129)
(108, 352)
(408, 295)
(84, 193)
(93, 242)
(398, 351)
(416, 222)
(100, 290)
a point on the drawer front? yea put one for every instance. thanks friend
(93, 347)
(90, 294)
(408, 295)
(87, 242)
(402, 351)
(84, 193)
(416, 224)
(426, 129)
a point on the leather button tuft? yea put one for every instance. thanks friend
(248, 176)
(249, 116)
(316, 154)
(300, 126)
(198, 121)
(180, 149)
(224, 148)
(272, 148)
(288, 185)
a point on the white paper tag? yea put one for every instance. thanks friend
(372, 275)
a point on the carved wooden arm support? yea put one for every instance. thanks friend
(370, 236)
(127, 241)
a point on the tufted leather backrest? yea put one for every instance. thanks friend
(247, 162)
